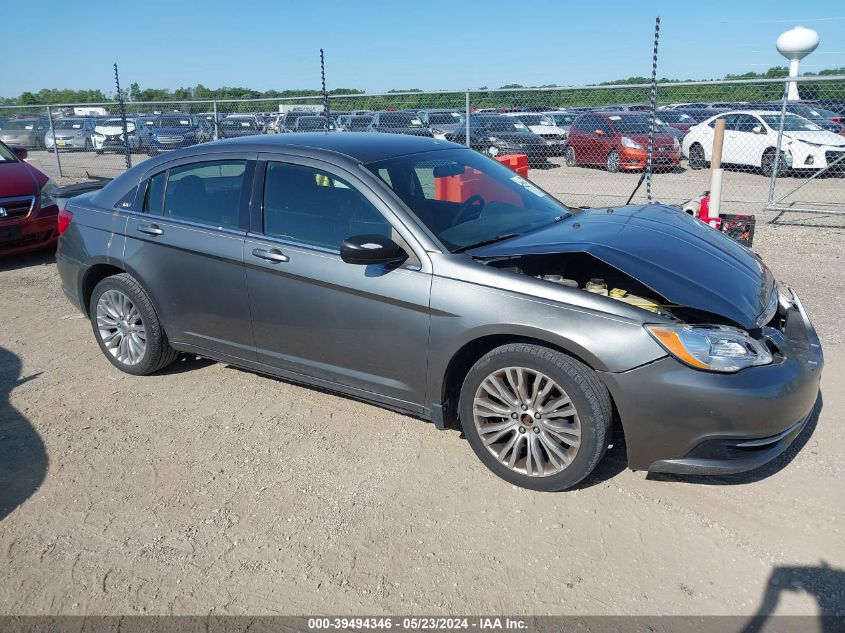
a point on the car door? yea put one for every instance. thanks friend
(363, 329)
(184, 243)
(747, 140)
(596, 140)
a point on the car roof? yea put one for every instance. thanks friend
(364, 147)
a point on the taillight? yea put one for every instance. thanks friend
(65, 218)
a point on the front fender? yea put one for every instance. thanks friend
(464, 312)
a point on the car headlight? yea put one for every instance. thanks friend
(717, 348)
(99, 136)
(630, 143)
(46, 193)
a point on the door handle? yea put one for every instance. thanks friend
(150, 229)
(274, 255)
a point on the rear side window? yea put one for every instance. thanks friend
(154, 198)
(207, 193)
(311, 207)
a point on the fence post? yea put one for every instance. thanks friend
(55, 147)
(770, 200)
(467, 119)
(216, 135)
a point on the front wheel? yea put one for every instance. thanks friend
(127, 328)
(611, 163)
(697, 159)
(537, 418)
(569, 157)
(767, 163)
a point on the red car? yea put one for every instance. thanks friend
(28, 212)
(618, 140)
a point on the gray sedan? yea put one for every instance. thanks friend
(424, 277)
(71, 133)
(24, 132)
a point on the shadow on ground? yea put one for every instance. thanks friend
(23, 458)
(825, 584)
(38, 258)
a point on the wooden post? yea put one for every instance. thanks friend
(716, 170)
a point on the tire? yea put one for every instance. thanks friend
(569, 156)
(767, 163)
(611, 163)
(88, 145)
(581, 434)
(107, 306)
(99, 152)
(697, 159)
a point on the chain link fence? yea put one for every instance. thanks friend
(586, 145)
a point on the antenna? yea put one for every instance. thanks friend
(653, 112)
(122, 118)
(325, 94)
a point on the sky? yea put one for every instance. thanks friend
(377, 45)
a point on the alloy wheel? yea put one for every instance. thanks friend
(527, 421)
(121, 328)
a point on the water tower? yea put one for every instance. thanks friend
(795, 44)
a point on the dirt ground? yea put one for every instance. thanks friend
(206, 489)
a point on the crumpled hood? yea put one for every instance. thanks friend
(677, 256)
(820, 137)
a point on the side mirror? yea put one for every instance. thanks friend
(20, 152)
(371, 249)
(759, 129)
(599, 132)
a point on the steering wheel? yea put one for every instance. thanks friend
(473, 203)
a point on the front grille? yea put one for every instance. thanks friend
(16, 208)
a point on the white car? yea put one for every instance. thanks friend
(543, 125)
(108, 135)
(751, 139)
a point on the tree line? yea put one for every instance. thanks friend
(349, 99)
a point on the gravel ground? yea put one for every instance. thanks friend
(208, 489)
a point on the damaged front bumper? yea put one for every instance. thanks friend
(682, 420)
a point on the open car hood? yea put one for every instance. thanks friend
(677, 256)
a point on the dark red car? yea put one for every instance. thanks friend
(619, 140)
(28, 212)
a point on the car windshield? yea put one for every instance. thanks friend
(174, 121)
(791, 123)
(563, 119)
(307, 123)
(635, 124)
(804, 110)
(535, 119)
(400, 119)
(360, 122)
(445, 118)
(498, 203)
(6, 155)
(506, 124)
(69, 124)
(19, 124)
(130, 124)
(238, 124)
(667, 116)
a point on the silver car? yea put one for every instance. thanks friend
(71, 133)
(24, 132)
(422, 276)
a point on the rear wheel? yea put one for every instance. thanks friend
(611, 163)
(696, 157)
(127, 328)
(535, 417)
(569, 157)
